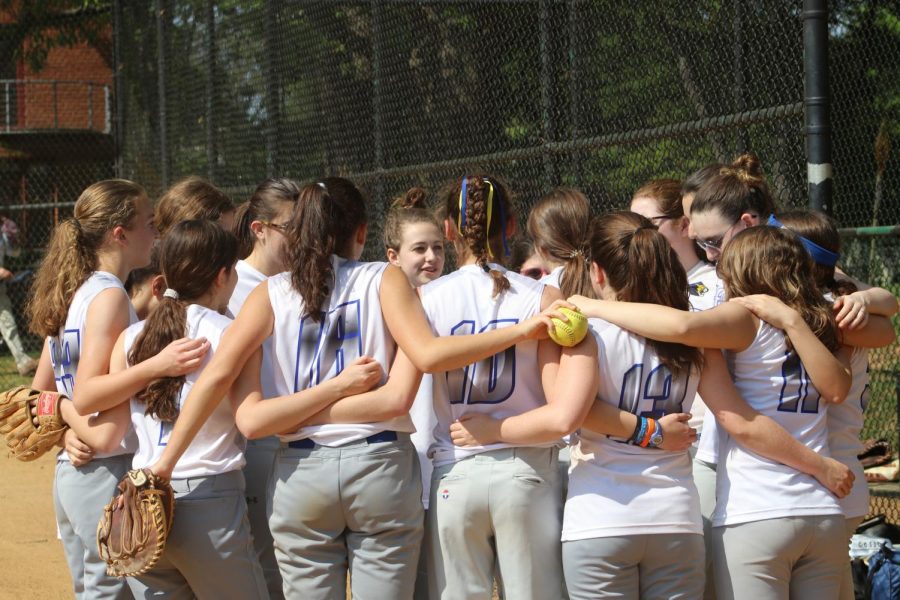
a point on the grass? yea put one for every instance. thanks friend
(9, 375)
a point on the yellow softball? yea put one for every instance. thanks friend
(569, 333)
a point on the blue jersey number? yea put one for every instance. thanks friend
(324, 348)
(165, 430)
(655, 395)
(795, 387)
(488, 381)
(64, 354)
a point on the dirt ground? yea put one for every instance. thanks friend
(32, 564)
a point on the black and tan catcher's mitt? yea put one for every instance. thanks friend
(31, 421)
(132, 532)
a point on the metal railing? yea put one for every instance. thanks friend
(54, 104)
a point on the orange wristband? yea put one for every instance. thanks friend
(651, 430)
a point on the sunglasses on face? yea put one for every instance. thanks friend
(715, 243)
(282, 227)
(534, 272)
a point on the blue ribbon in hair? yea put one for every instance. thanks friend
(821, 255)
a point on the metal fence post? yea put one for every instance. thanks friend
(55, 104)
(547, 124)
(8, 118)
(575, 86)
(816, 104)
(90, 105)
(119, 83)
(377, 117)
(161, 18)
(211, 150)
(272, 41)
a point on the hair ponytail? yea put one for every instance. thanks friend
(191, 257)
(481, 208)
(559, 224)
(242, 231)
(641, 266)
(71, 255)
(326, 217)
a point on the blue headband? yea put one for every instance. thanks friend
(821, 255)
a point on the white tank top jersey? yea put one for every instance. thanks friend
(307, 352)
(772, 380)
(425, 421)
(248, 279)
(705, 291)
(845, 421)
(553, 277)
(504, 385)
(619, 489)
(65, 348)
(218, 447)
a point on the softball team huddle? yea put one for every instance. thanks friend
(405, 426)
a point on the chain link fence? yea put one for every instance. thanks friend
(597, 94)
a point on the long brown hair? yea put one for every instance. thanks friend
(72, 252)
(263, 205)
(325, 218)
(767, 260)
(191, 198)
(559, 224)
(191, 256)
(820, 229)
(409, 209)
(736, 189)
(478, 236)
(641, 266)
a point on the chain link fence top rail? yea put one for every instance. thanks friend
(601, 95)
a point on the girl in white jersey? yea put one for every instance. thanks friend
(211, 533)
(260, 226)
(776, 531)
(632, 523)
(497, 504)
(79, 305)
(820, 236)
(414, 242)
(660, 200)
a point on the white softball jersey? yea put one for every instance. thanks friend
(553, 277)
(248, 279)
(425, 421)
(619, 489)
(772, 380)
(219, 446)
(845, 421)
(705, 291)
(308, 352)
(65, 348)
(504, 385)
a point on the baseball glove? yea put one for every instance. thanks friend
(132, 532)
(30, 436)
